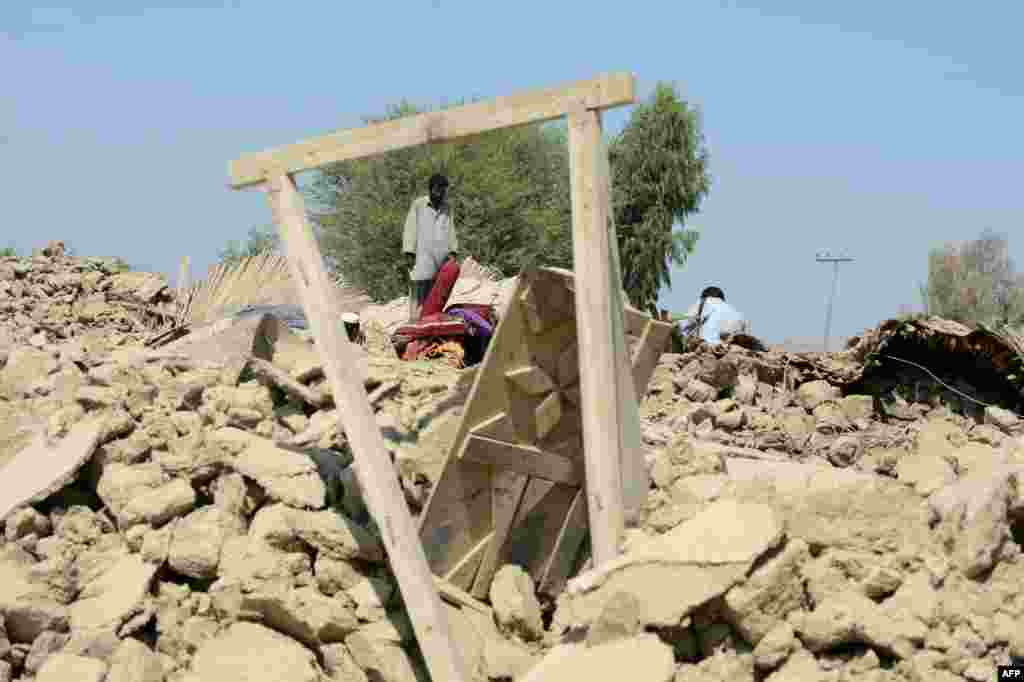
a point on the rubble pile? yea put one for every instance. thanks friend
(202, 522)
(52, 296)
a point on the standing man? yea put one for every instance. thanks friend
(428, 241)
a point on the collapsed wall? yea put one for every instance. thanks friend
(172, 518)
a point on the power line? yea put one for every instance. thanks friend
(828, 257)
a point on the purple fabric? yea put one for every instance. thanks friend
(475, 323)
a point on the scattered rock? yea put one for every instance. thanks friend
(65, 668)
(640, 659)
(247, 651)
(516, 608)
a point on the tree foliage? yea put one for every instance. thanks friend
(508, 197)
(659, 166)
(260, 239)
(975, 281)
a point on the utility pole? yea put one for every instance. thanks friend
(827, 257)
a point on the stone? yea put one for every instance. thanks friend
(44, 467)
(851, 618)
(506, 659)
(697, 561)
(251, 652)
(44, 646)
(377, 649)
(700, 392)
(813, 393)
(925, 472)
(198, 538)
(133, 661)
(114, 596)
(339, 664)
(328, 531)
(618, 620)
(68, 668)
(845, 451)
(856, 407)
(24, 365)
(371, 596)
(638, 659)
(287, 476)
(159, 505)
(769, 595)
(302, 613)
(775, 647)
(973, 513)
(26, 521)
(515, 604)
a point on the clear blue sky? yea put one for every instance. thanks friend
(881, 128)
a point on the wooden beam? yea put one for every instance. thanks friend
(534, 106)
(523, 459)
(372, 465)
(598, 305)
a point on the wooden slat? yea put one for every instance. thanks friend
(372, 465)
(647, 353)
(459, 597)
(508, 491)
(598, 303)
(537, 525)
(567, 548)
(534, 106)
(523, 459)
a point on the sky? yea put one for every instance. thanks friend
(879, 129)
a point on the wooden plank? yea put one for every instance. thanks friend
(508, 491)
(523, 459)
(372, 465)
(636, 481)
(181, 290)
(598, 303)
(548, 414)
(466, 569)
(531, 380)
(567, 548)
(459, 597)
(534, 106)
(537, 525)
(457, 516)
(645, 358)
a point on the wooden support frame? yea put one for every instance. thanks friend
(372, 464)
(613, 460)
(535, 106)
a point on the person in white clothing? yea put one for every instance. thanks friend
(712, 318)
(428, 241)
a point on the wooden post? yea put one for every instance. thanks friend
(372, 464)
(182, 288)
(636, 481)
(599, 328)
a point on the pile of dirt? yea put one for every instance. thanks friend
(189, 514)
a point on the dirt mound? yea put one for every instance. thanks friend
(189, 515)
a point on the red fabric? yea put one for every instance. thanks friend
(435, 325)
(442, 289)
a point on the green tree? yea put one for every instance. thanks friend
(509, 198)
(975, 281)
(8, 251)
(260, 239)
(659, 169)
